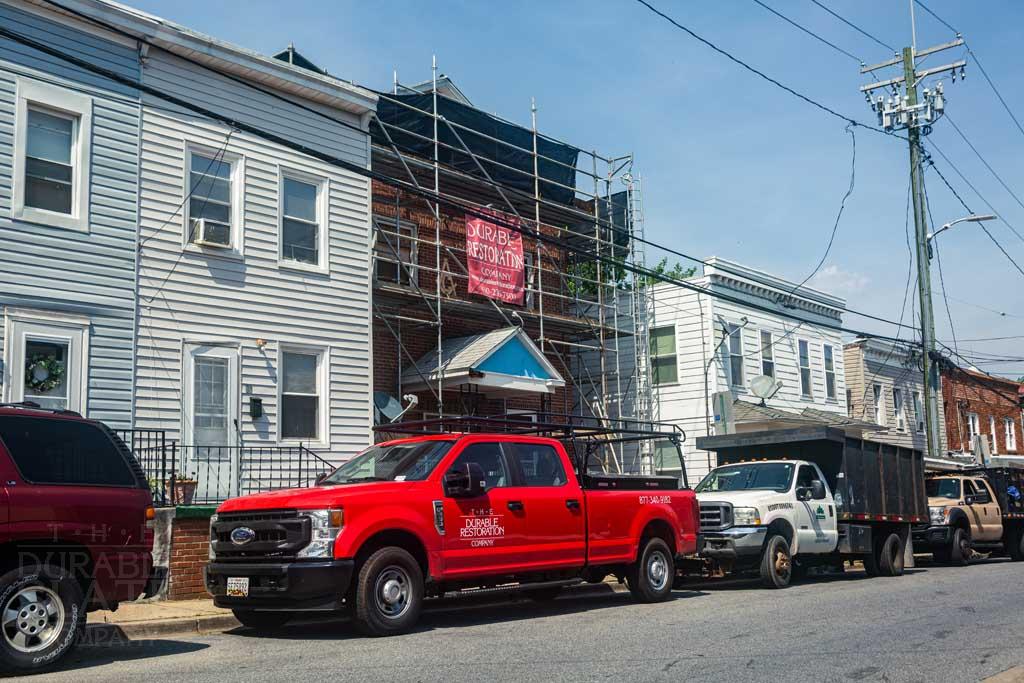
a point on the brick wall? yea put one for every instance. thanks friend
(190, 539)
(965, 392)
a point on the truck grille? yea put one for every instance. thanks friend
(278, 534)
(715, 516)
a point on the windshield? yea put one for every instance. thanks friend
(773, 476)
(412, 461)
(943, 488)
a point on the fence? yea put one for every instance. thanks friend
(186, 475)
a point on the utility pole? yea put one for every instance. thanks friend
(916, 115)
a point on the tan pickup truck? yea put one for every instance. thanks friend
(979, 509)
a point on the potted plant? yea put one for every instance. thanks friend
(181, 490)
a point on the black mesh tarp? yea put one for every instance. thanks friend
(553, 175)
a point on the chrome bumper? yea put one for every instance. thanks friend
(735, 543)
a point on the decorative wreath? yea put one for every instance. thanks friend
(43, 373)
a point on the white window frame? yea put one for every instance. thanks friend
(898, 409)
(809, 394)
(408, 272)
(674, 355)
(323, 193)
(992, 431)
(20, 323)
(918, 413)
(878, 397)
(731, 330)
(1010, 430)
(60, 101)
(323, 366)
(236, 248)
(771, 352)
(834, 393)
(973, 429)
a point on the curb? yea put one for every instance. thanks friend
(143, 630)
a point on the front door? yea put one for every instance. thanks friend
(47, 359)
(485, 534)
(989, 514)
(210, 421)
(817, 529)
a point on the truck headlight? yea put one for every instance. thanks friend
(938, 514)
(746, 517)
(210, 555)
(325, 527)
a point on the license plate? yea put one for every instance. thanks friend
(238, 587)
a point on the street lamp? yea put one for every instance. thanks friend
(973, 218)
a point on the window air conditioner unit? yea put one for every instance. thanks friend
(200, 232)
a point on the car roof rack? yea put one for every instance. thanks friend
(32, 405)
(554, 425)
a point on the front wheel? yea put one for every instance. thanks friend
(776, 563)
(961, 550)
(388, 593)
(262, 621)
(650, 579)
(42, 617)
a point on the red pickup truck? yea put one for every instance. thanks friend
(429, 515)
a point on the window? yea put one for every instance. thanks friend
(981, 494)
(830, 372)
(302, 396)
(212, 213)
(849, 403)
(767, 354)
(52, 155)
(400, 462)
(805, 369)
(918, 414)
(1010, 429)
(52, 351)
(876, 390)
(805, 476)
(539, 465)
(49, 451)
(897, 408)
(992, 433)
(663, 355)
(973, 429)
(395, 253)
(666, 457)
(488, 456)
(735, 348)
(303, 211)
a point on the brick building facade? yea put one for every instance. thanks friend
(979, 404)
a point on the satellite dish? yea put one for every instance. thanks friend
(764, 387)
(387, 407)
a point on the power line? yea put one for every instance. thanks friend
(854, 26)
(1002, 314)
(940, 19)
(983, 161)
(763, 75)
(990, 339)
(810, 33)
(938, 258)
(411, 188)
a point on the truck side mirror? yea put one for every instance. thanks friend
(803, 493)
(968, 500)
(817, 489)
(468, 483)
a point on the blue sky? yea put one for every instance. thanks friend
(732, 166)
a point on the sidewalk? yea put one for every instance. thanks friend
(149, 618)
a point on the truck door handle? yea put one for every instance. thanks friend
(515, 505)
(572, 504)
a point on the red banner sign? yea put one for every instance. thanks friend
(494, 256)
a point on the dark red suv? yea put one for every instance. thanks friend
(75, 530)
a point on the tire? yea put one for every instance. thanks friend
(890, 556)
(546, 594)
(776, 563)
(49, 610)
(388, 593)
(960, 550)
(1015, 545)
(262, 621)
(650, 578)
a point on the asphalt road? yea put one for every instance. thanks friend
(933, 624)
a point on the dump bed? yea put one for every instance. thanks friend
(871, 480)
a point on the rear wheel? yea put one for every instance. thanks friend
(42, 617)
(261, 621)
(388, 593)
(890, 556)
(776, 563)
(650, 579)
(960, 552)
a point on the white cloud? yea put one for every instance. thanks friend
(834, 280)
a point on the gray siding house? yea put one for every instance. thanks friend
(69, 162)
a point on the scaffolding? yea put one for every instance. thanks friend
(584, 307)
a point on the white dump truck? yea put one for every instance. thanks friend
(782, 501)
